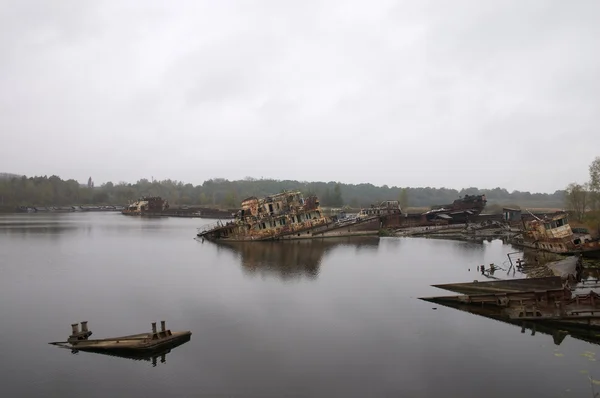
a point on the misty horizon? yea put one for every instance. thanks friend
(154, 179)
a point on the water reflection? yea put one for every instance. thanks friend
(60, 225)
(558, 333)
(152, 356)
(48, 227)
(292, 259)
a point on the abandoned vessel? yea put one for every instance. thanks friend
(554, 234)
(146, 206)
(137, 343)
(542, 300)
(288, 215)
(459, 211)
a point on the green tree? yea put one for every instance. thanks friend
(231, 200)
(336, 199)
(203, 199)
(594, 184)
(403, 199)
(576, 198)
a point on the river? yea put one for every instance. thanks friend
(323, 318)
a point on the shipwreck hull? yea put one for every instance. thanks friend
(588, 249)
(236, 233)
(290, 216)
(558, 330)
(144, 214)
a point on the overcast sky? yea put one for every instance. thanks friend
(406, 93)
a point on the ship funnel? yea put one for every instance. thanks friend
(75, 328)
(163, 326)
(153, 327)
(84, 327)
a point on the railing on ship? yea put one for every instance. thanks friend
(208, 227)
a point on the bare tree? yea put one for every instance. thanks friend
(577, 197)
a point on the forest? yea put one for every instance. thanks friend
(218, 192)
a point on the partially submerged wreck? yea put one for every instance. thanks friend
(557, 306)
(147, 205)
(132, 344)
(548, 300)
(554, 234)
(459, 211)
(288, 215)
(558, 332)
(155, 206)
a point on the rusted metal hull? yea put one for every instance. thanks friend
(288, 215)
(557, 330)
(142, 214)
(363, 227)
(565, 247)
(554, 234)
(501, 286)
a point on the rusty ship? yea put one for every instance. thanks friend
(552, 233)
(459, 211)
(155, 206)
(288, 215)
(514, 301)
(146, 206)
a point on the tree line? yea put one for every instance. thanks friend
(219, 192)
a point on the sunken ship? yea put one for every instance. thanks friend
(146, 205)
(553, 234)
(288, 215)
(461, 210)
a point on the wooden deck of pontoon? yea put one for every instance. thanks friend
(135, 342)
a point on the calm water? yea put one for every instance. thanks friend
(324, 318)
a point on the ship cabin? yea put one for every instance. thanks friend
(553, 227)
(280, 211)
(386, 208)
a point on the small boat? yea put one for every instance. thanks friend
(553, 234)
(136, 343)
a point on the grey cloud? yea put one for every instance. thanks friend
(430, 93)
